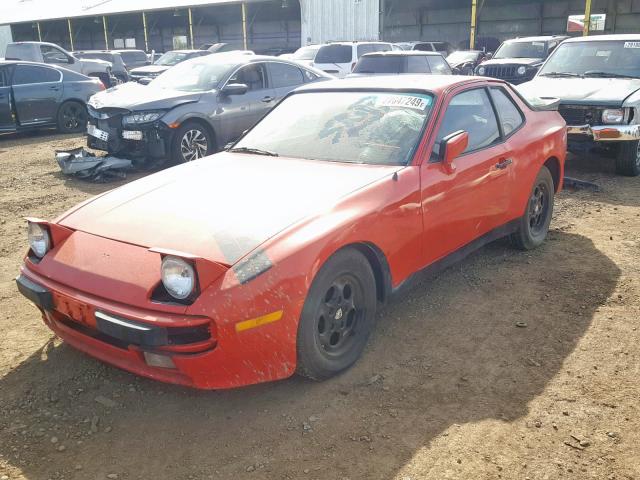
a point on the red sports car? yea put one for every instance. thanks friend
(272, 257)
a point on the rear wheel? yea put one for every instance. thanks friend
(192, 141)
(72, 117)
(628, 159)
(534, 224)
(338, 316)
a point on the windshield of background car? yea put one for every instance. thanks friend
(305, 53)
(129, 57)
(334, 54)
(107, 57)
(377, 128)
(193, 76)
(380, 64)
(522, 50)
(172, 58)
(615, 57)
(460, 57)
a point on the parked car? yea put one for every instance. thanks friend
(164, 63)
(43, 52)
(444, 48)
(464, 62)
(304, 55)
(153, 57)
(518, 60)
(33, 95)
(218, 47)
(340, 58)
(272, 257)
(133, 58)
(118, 67)
(597, 80)
(194, 109)
(401, 62)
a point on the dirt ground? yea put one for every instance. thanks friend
(449, 386)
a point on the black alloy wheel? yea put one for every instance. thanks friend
(72, 117)
(534, 224)
(628, 159)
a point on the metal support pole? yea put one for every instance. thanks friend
(106, 34)
(191, 29)
(146, 35)
(245, 40)
(70, 33)
(39, 31)
(474, 24)
(587, 18)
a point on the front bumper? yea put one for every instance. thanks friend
(155, 142)
(605, 133)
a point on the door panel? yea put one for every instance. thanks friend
(37, 92)
(284, 78)
(7, 123)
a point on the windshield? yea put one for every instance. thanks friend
(172, 58)
(522, 50)
(133, 57)
(380, 64)
(193, 76)
(334, 54)
(107, 57)
(377, 128)
(606, 57)
(306, 53)
(459, 57)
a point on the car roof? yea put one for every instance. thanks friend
(401, 83)
(596, 38)
(120, 50)
(357, 43)
(403, 53)
(187, 51)
(543, 38)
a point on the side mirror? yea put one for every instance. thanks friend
(235, 89)
(144, 80)
(451, 147)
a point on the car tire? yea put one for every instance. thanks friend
(191, 141)
(533, 226)
(628, 159)
(72, 117)
(337, 317)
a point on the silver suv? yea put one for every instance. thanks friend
(340, 58)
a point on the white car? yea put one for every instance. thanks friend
(304, 55)
(339, 58)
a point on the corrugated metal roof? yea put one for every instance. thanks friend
(18, 11)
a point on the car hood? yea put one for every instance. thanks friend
(513, 61)
(582, 91)
(150, 69)
(134, 96)
(221, 207)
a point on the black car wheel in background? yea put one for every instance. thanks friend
(72, 117)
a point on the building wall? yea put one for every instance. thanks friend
(5, 37)
(331, 20)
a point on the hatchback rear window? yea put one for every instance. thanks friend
(334, 54)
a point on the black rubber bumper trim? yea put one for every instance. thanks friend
(131, 332)
(34, 292)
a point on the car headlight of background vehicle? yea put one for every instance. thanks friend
(138, 118)
(613, 115)
(522, 70)
(39, 239)
(481, 70)
(178, 277)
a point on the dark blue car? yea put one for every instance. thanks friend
(35, 95)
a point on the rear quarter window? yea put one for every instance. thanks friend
(334, 54)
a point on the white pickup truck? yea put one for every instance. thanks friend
(43, 52)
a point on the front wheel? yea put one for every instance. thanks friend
(338, 316)
(628, 159)
(534, 224)
(192, 141)
(72, 117)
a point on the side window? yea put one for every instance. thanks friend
(4, 81)
(53, 55)
(472, 112)
(510, 115)
(382, 47)
(284, 75)
(366, 48)
(254, 76)
(25, 74)
(417, 64)
(309, 76)
(439, 65)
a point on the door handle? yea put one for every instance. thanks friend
(268, 99)
(54, 87)
(504, 163)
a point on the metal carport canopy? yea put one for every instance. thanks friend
(20, 11)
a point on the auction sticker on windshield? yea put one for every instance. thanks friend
(404, 101)
(631, 44)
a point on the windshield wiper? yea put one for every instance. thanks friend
(560, 74)
(255, 151)
(595, 73)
